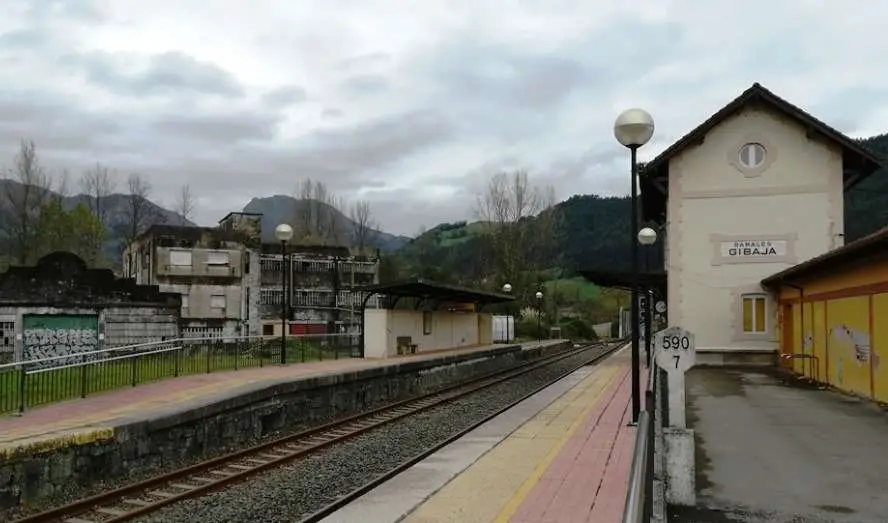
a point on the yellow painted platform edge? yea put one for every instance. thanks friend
(511, 506)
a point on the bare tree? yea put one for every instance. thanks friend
(508, 206)
(316, 214)
(364, 228)
(185, 204)
(62, 188)
(139, 210)
(332, 220)
(27, 189)
(98, 184)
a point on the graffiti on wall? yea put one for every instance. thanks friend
(858, 341)
(808, 343)
(50, 336)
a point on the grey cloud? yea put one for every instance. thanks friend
(404, 212)
(331, 113)
(568, 169)
(363, 61)
(506, 78)
(365, 84)
(378, 142)
(479, 77)
(168, 73)
(30, 39)
(53, 123)
(849, 109)
(343, 158)
(77, 10)
(219, 130)
(285, 95)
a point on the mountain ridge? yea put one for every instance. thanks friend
(594, 229)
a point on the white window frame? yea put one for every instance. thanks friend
(218, 258)
(753, 296)
(746, 152)
(214, 301)
(178, 258)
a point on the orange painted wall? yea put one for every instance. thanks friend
(843, 332)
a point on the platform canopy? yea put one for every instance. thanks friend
(429, 290)
(623, 280)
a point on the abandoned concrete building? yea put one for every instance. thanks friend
(212, 268)
(325, 289)
(232, 284)
(60, 307)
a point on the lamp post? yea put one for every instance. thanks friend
(539, 297)
(633, 128)
(507, 288)
(284, 233)
(647, 237)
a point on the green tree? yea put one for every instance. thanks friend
(54, 230)
(78, 231)
(89, 234)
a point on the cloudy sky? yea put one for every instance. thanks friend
(410, 105)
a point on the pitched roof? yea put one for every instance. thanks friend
(875, 243)
(758, 94)
(857, 159)
(427, 289)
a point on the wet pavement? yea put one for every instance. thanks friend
(769, 449)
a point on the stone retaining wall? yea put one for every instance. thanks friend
(239, 420)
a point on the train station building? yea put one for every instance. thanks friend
(754, 190)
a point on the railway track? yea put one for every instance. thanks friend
(142, 498)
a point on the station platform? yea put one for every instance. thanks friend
(772, 449)
(94, 418)
(561, 456)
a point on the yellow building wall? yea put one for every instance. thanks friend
(819, 328)
(838, 324)
(837, 333)
(847, 328)
(880, 346)
(796, 345)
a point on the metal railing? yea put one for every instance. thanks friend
(40, 381)
(640, 497)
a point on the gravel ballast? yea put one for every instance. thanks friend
(291, 493)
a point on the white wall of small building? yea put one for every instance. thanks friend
(449, 330)
(796, 202)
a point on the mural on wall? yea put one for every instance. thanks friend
(52, 335)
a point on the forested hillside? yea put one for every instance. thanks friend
(587, 231)
(866, 204)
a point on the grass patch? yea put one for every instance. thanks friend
(455, 236)
(43, 386)
(572, 289)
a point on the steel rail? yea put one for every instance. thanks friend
(372, 484)
(147, 496)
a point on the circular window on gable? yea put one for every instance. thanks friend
(752, 155)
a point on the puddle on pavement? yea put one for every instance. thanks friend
(716, 383)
